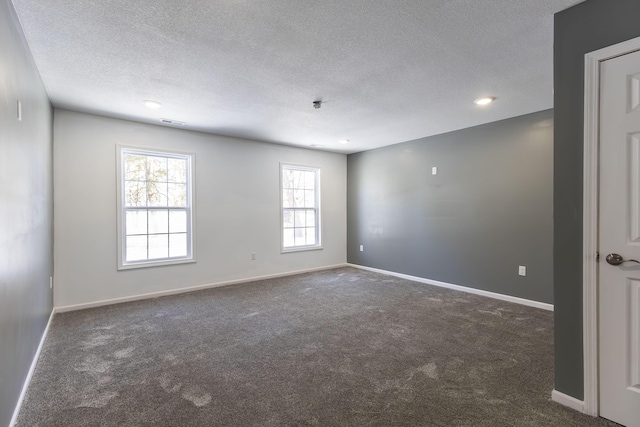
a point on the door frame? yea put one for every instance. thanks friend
(590, 215)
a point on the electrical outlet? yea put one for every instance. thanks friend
(50, 282)
(253, 256)
(19, 112)
(434, 170)
(361, 248)
(522, 270)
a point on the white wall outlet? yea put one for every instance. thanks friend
(522, 270)
(361, 248)
(50, 282)
(434, 170)
(19, 112)
(253, 256)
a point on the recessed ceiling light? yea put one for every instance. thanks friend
(152, 104)
(484, 101)
(544, 124)
(344, 141)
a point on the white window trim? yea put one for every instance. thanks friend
(191, 191)
(317, 246)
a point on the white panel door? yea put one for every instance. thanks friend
(619, 228)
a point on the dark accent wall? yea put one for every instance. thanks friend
(581, 29)
(25, 211)
(487, 211)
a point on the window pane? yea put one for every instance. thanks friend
(298, 198)
(159, 246)
(158, 222)
(135, 167)
(287, 178)
(135, 193)
(287, 218)
(309, 180)
(177, 170)
(136, 248)
(288, 238)
(300, 219)
(157, 169)
(177, 245)
(298, 179)
(157, 194)
(136, 222)
(310, 236)
(311, 218)
(310, 198)
(287, 198)
(300, 237)
(177, 222)
(178, 195)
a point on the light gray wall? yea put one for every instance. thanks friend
(237, 209)
(487, 211)
(25, 211)
(581, 29)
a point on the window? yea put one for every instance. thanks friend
(154, 208)
(300, 195)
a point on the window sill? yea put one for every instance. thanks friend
(148, 264)
(301, 249)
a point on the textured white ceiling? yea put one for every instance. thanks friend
(386, 71)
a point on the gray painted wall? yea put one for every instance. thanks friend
(25, 211)
(487, 211)
(581, 29)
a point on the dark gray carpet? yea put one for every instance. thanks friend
(341, 347)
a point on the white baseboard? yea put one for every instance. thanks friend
(32, 369)
(101, 303)
(494, 295)
(568, 401)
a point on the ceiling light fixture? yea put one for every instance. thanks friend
(484, 101)
(172, 122)
(344, 141)
(152, 104)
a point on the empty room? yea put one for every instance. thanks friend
(290, 213)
